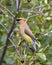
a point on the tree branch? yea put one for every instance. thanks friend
(7, 10)
(8, 36)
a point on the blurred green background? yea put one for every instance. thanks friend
(39, 18)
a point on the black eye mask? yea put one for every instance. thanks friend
(18, 19)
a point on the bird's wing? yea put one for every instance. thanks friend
(29, 33)
(24, 35)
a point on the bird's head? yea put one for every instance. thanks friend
(21, 20)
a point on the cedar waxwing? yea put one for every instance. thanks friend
(26, 32)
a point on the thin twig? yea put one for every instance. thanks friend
(8, 32)
(17, 5)
(35, 14)
(32, 9)
(7, 47)
(7, 10)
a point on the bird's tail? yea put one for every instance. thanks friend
(34, 42)
(34, 45)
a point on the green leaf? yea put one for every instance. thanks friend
(41, 56)
(9, 60)
(37, 64)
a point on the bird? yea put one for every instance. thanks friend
(26, 33)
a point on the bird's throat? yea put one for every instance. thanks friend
(21, 21)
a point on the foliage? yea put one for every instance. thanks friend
(39, 18)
